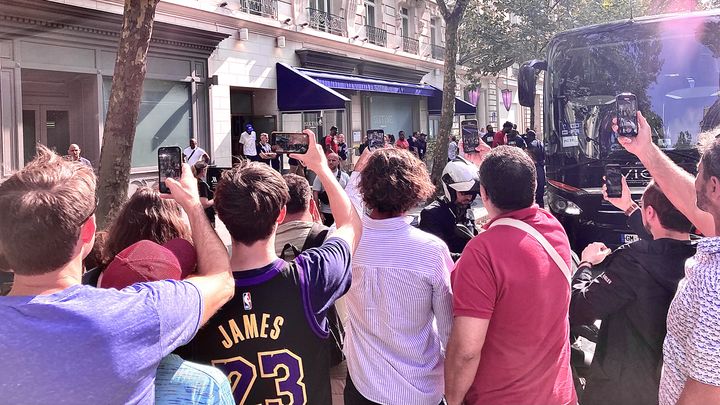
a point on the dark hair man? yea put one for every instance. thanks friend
(450, 217)
(56, 333)
(630, 290)
(421, 145)
(277, 319)
(400, 304)
(501, 136)
(489, 134)
(330, 142)
(511, 308)
(194, 153)
(536, 150)
(691, 352)
(248, 142)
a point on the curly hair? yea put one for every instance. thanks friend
(144, 216)
(394, 181)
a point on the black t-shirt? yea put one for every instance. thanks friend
(204, 191)
(516, 141)
(271, 338)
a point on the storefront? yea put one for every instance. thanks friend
(57, 63)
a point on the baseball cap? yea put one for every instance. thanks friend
(146, 261)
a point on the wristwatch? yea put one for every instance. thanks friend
(631, 209)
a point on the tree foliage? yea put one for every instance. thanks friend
(495, 34)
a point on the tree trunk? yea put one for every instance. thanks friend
(440, 154)
(123, 108)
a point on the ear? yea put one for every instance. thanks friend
(314, 211)
(87, 231)
(649, 213)
(483, 193)
(281, 216)
(714, 188)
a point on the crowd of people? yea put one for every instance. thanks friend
(317, 304)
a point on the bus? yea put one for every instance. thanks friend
(671, 63)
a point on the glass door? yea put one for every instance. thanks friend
(48, 125)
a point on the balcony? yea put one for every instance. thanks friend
(410, 45)
(377, 36)
(264, 8)
(438, 52)
(327, 22)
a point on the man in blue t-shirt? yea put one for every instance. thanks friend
(66, 343)
(278, 318)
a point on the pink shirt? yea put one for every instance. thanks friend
(402, 144)
(506, 276)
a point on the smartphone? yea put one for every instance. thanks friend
(290, 142)
(470, 136)
(170, 159)
(375, 139)
(613, 180)
(627, 114)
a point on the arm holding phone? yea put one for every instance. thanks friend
(677, 184)
(349, 226)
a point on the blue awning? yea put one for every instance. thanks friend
(349, 82)
(297, 91)
(462, 107)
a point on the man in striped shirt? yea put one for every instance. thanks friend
(399, 304)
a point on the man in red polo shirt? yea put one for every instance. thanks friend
(510, 337)
(500, 137)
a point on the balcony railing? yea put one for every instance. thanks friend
(377, 36)
(438, 52)
(327, 22)
(410, 45)
(264, 8)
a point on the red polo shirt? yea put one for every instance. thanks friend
(506, 276)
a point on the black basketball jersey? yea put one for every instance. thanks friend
(267, 340)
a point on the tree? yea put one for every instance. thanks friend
(453, 18)
(124, 105)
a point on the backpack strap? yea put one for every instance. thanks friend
(541, 239)
(316, 237)
(284, 253)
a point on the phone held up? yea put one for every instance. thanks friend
(290, 142)
(170, 159)
(627, 114)
(375, 139)
(470, 136)
(613, 180)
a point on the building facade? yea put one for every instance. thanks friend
(214, 66)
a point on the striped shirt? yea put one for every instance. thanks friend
(399, 311)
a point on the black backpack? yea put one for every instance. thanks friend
(315, 238)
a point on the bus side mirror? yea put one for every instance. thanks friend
(526, 85)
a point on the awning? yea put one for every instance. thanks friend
(349, 82)
(462, 107)
(297, 92)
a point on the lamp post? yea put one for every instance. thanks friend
(507, 98)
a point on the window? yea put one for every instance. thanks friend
(433, 31)
(370, 13)
(405, 22)
(165, 118)
(320, 5)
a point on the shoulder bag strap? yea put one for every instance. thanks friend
(541, 239)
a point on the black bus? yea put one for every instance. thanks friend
(672, 65)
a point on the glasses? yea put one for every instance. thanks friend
(97, 201)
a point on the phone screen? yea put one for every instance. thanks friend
(613, 181)
(169, 165)
(470, 136)
(290, 142)
(375, 139)
(627, 114)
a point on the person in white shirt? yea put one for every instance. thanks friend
(319, 194)
(400, 302)
(453, 149)
(194, 153)
(248, 140)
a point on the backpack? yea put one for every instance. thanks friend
(315, 238)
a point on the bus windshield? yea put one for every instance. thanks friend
(672, 67)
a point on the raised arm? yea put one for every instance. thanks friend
(347, 220)
(677, 184)
(213, 278)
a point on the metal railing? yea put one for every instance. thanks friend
(410, 45)
(377, 36)
(327, 22)
(264, 8)
(438, 52)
